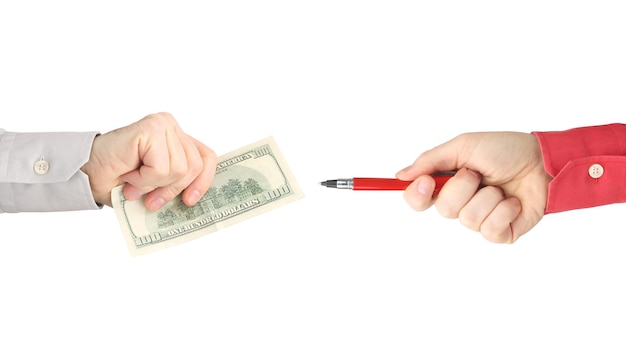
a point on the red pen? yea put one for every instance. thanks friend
(383, 184)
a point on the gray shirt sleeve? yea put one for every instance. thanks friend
(40, 172)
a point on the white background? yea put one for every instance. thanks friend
(347, 88)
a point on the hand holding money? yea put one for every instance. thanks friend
(247, 182)
(153, 157)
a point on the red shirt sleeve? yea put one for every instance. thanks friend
(588, 166)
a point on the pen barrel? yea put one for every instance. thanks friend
(393, 184)
(440, 180)
(379, 184)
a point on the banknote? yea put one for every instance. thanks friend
(248, 181)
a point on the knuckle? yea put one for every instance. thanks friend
(416, 203)
(210, 154)
(495, 192)
(158, 120)
(178, 171)
(193, 170)
(488, 230)
(173, 190)
(166, 115)
(179, 168)
(494, 233)
(447, 210)
(163, 116)
(409, 200)
(469, 219)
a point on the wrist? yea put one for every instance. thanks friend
(93, 168)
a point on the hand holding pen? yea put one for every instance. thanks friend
(499, 190)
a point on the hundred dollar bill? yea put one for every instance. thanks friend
(248, 182)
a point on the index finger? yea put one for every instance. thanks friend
(444, 157)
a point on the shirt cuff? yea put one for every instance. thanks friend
(588, 166)
(40, 172)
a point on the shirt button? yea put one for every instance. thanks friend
(596, 171)
(42, 167)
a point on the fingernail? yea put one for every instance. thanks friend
(423, 188)
(156, 203)
(193, 197)
(132, 193)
